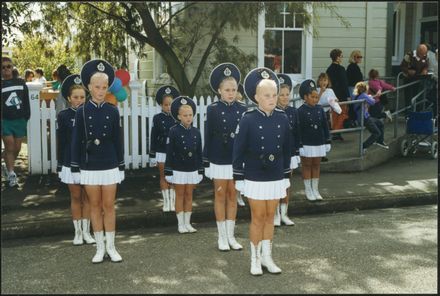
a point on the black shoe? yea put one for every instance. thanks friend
(337, 137)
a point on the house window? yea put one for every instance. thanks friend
(283, 39)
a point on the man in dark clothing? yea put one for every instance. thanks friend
(415, 67)
(15, 114)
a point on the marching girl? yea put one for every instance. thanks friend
(97, 160)
(73, 91)
(292, 115)
(315, 138)
(261, 162)
(222, 118)
(183, 164)
(162, 123)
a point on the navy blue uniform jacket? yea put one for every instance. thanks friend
(314, 130)
(220, 125)
(162, 123)
(262, 147)
(292, 115)
(184, 150)
(101, 148)
(65, 121)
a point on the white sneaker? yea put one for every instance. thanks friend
(12, 178)
(383, 145)
(389, 116)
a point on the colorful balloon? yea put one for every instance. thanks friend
(116, 86)
(123, 75)
(110, 98)
(121, 95)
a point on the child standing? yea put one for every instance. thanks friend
(261, 161)
(97, 157)
(315, 138)
(377, 86)
(292, 115)
(240, 99)
(183, 164)
(373, 125)
(162, 123)
(73, 91)
(222, 118)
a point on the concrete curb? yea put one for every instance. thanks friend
(156, 218)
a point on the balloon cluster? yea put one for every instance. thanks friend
(118, 92)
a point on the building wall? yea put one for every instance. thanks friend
(367, 33)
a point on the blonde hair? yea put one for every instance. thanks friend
(227, 79)
(360, 87)
(324, 76)
(265, 82)
(185, 107)
(354, 53)
(98, 75)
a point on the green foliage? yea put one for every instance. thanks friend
(38, 51)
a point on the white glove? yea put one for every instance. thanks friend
(286, 183)
(208, 172)
(169, 179)
(121, 176)
(298, 159)
(293, 162)
(239, 185)
(328, 147)
(301, 151)
(153, 162)
(76, 178)
(200, 178)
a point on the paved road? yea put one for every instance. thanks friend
(373, 251)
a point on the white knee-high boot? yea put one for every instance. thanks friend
(266, 257)
(78, 239)
(277, 217)
(222, 236)
(100, 248)
(315, 182)
(110, 247)
(256, 259)
(172, 196)
(284, 218)
(308, 189)
(181, 222)
(230, 226)
(187, 217)
(86, 232)
(166, 200)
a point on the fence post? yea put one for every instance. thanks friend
(134, 88)
(33, 129)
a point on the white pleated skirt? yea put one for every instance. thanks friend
(294, 162)
(220, 171)
(161, 157)
(313, 151)
(266, 190)
(104, 177)
(66, 175)
(180, 177)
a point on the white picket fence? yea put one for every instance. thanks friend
(136, 113)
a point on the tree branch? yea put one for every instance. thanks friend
(207, 53)
(176, 13)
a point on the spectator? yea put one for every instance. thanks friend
(338, 80)
(56, 85)
(39, 76)
(29, 75)
(60, 102)
(432, 94)
(15, 114)
(376, 87)
(373, 125)
(414, 65)
(354, 75)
